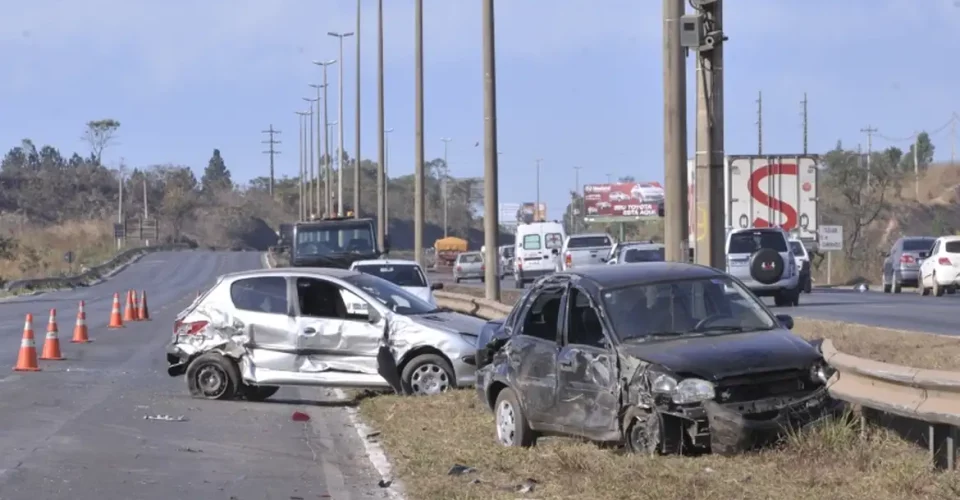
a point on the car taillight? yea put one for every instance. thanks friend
(193, 328)
(459, 269)
(483, 267)
(569, 259)
(519, 264)
(943, 261)
(906, 259)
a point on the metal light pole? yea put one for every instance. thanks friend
(340, 37)
(328, 160)
(577, 209)
(356, 154)
(320, 161)
(309, 172)
(418, 159)
(536, 208)
(382, 221)
(491, 199)
(332, 164)
(302, 147)
(443, 182)
(386, 180)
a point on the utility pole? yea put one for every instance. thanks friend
(328, 160)
(311, 210)
(146, 213)
(710, 156)
(760, 122)
(443, 182)
(330, 164)
(382, 221)
(578, 209)
(418, 182)
(386, 181)
(916, 165)
(674, 134)
(320, 174)
(491, 201)
(870, 131)
(536, 208)
(803, 104)
(302, 148)
(272, 152)
(356, 154)
(120, 218)
(340, 37)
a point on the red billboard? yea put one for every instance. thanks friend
(622, 199)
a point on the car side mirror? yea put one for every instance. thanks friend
(786, 320)
(373, 316)
(436, 286)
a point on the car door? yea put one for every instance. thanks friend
(927, 266)
(588, 400)
(532, 351)
(261, 308)
(330, 334)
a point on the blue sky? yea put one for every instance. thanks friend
(579, 83)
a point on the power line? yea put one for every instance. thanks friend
(912, 137)
(271, 132)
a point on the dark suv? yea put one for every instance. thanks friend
(901, 266)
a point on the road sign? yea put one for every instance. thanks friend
(831, 238)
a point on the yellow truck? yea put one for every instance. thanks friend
(448, 248)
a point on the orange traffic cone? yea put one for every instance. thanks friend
(115, 320)
(135, 305)
(80, 334)
(143, 311)
(51, 346)
(128, 314)
(27, 359)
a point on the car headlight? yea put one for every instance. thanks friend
(686, 391)
(821, 372)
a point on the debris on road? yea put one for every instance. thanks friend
(299, 416)
(459, 470)
(165, 418)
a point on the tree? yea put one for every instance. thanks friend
(180, 197)
(216, 177)
(99, 134)
(925, 150)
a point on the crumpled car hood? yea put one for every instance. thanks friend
(450, 321)
(719, 356)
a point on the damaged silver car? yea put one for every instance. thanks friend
(659, 357)
(257, 330)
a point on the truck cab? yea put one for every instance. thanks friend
(334, 242)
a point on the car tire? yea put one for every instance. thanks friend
(258, 392)
(213, 376)
(922, 290)
(937, 290)
(511, 424)
(456, 280)
(886, 286)
(895, 283)
(427, 374)
(952, 290)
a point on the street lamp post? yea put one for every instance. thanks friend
(309, 173)
(340, 37)
(386, 180)
(443, 182)
(328, 172)
(320, 161)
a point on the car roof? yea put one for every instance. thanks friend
(759, 230)
(386, 262)
(642, 245)
(951, 237)
(601, 276)
(333, 272)
(587, 235)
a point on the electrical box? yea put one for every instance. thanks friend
(690, 31)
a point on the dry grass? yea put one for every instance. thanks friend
(425, 437)
(916, 349)
(39, 251)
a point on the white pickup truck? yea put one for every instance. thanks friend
(585, 250)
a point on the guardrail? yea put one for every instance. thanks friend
(928, 396)
(91, 274)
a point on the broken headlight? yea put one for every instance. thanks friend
(821, 372)
(686, 391)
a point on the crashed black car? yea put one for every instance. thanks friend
(659, 357)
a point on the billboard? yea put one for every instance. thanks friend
(508, 213)
(622, 200)
(527, 214)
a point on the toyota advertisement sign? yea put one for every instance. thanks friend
(622, 200)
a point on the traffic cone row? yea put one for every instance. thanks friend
(27, 359)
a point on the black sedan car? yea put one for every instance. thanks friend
(660, 357)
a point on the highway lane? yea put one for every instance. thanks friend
(78, 430)
(905, 311)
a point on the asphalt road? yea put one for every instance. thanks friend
(78, 429)
(905, 311)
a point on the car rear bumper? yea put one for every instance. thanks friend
(761, 289)
(177, 360)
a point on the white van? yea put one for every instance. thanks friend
(537, 253)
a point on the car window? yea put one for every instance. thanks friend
(322, 299)
(511, 318)
(588, 241)
(265, 295)
(952, 247)
(917, 245)
(470, 258)
(531, 242)
(508, 252)
(935, 248)
(751, 241)
(698, 306)
(342, 237)
(543, 315)
(398, 274)
(554, 240)
(797, 248)
(583, 322)
(644, 255)
(392, 296)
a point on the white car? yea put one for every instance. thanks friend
(406, 274)
(940, 272)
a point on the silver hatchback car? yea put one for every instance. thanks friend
(257, 330)
(469, 266)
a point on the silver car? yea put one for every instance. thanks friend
(257, 330)
(761, 258)
(468, 266)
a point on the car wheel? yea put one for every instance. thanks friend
(518, 283)
(512, 426)
(952, 290)
(426, 375)
(921, 289)
(213, 376)
(886, 286)
(795, 297)
(258, 392)
(895, 285)
(937, 289)
(456, 280)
